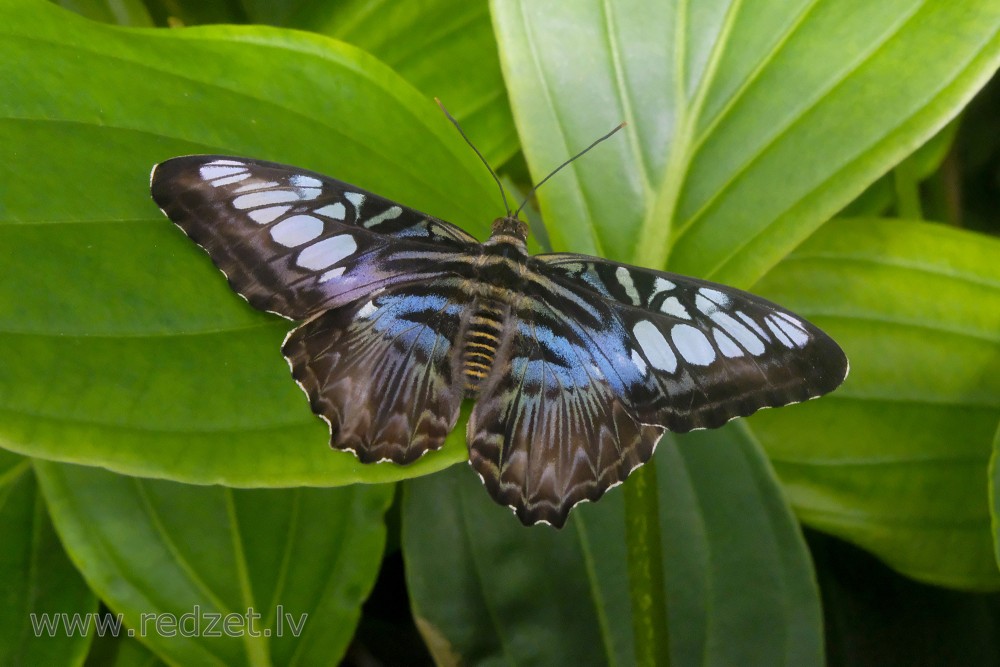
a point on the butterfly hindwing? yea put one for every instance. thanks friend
(295, 242)
(385, 372)
(549, 428)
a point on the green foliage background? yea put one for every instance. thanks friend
(157, 458)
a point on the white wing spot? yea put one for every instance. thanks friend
(327, 252)
(654, 346)
(335, 211)
(263, 216)
(229, 180)
(718, 298)
(639, 363)
(753, 325)
(792, 328)
(257, 184)
(739, 332)
(692, 344)
(389, 214)
(726, 344)
(264, 199)
(671, 306)
(228, 163)
(661, 285)
(303, 181)
(212, 171)
(296, 230)
(367, 310)
(775, 328)
(306, 194)
(331, 274)
(356, 199)
(625, 280)
(706, 306)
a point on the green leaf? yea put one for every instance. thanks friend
(748, 125)
(123, 346)
(872, 611)
(168, 556)
(919, 166)
(445, 48)
(485, 589)
(121, 12)
(176, 13)
(131, 653)
(121, 651)
(38, 584)
(895, 461)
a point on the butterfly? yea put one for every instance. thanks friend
(577, 364)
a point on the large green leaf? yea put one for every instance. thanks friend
(168, 556)
(896, 459)
(749, 125)
(122, 346)
(40, 590)
(130, 653)
(739, 586)
(904, 180)
(121, 651)
(120, 12)
(444, 48)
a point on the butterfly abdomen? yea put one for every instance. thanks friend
(481, 342)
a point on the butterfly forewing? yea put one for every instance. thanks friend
(294, 242)
(695, 354)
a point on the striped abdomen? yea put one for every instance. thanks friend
(481, 343)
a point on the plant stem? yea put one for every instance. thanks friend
(647, 587)
(907, 192)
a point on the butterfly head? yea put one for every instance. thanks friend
(510, 226)
(509, 230)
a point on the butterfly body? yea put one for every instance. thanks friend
(576, 364)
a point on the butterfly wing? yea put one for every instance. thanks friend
(691, 353)
(375, 280)
(598, 358)
(294, 242)
(549, 428)
(384, 372)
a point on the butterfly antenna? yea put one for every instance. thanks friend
(473, 146)
(556, 170)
